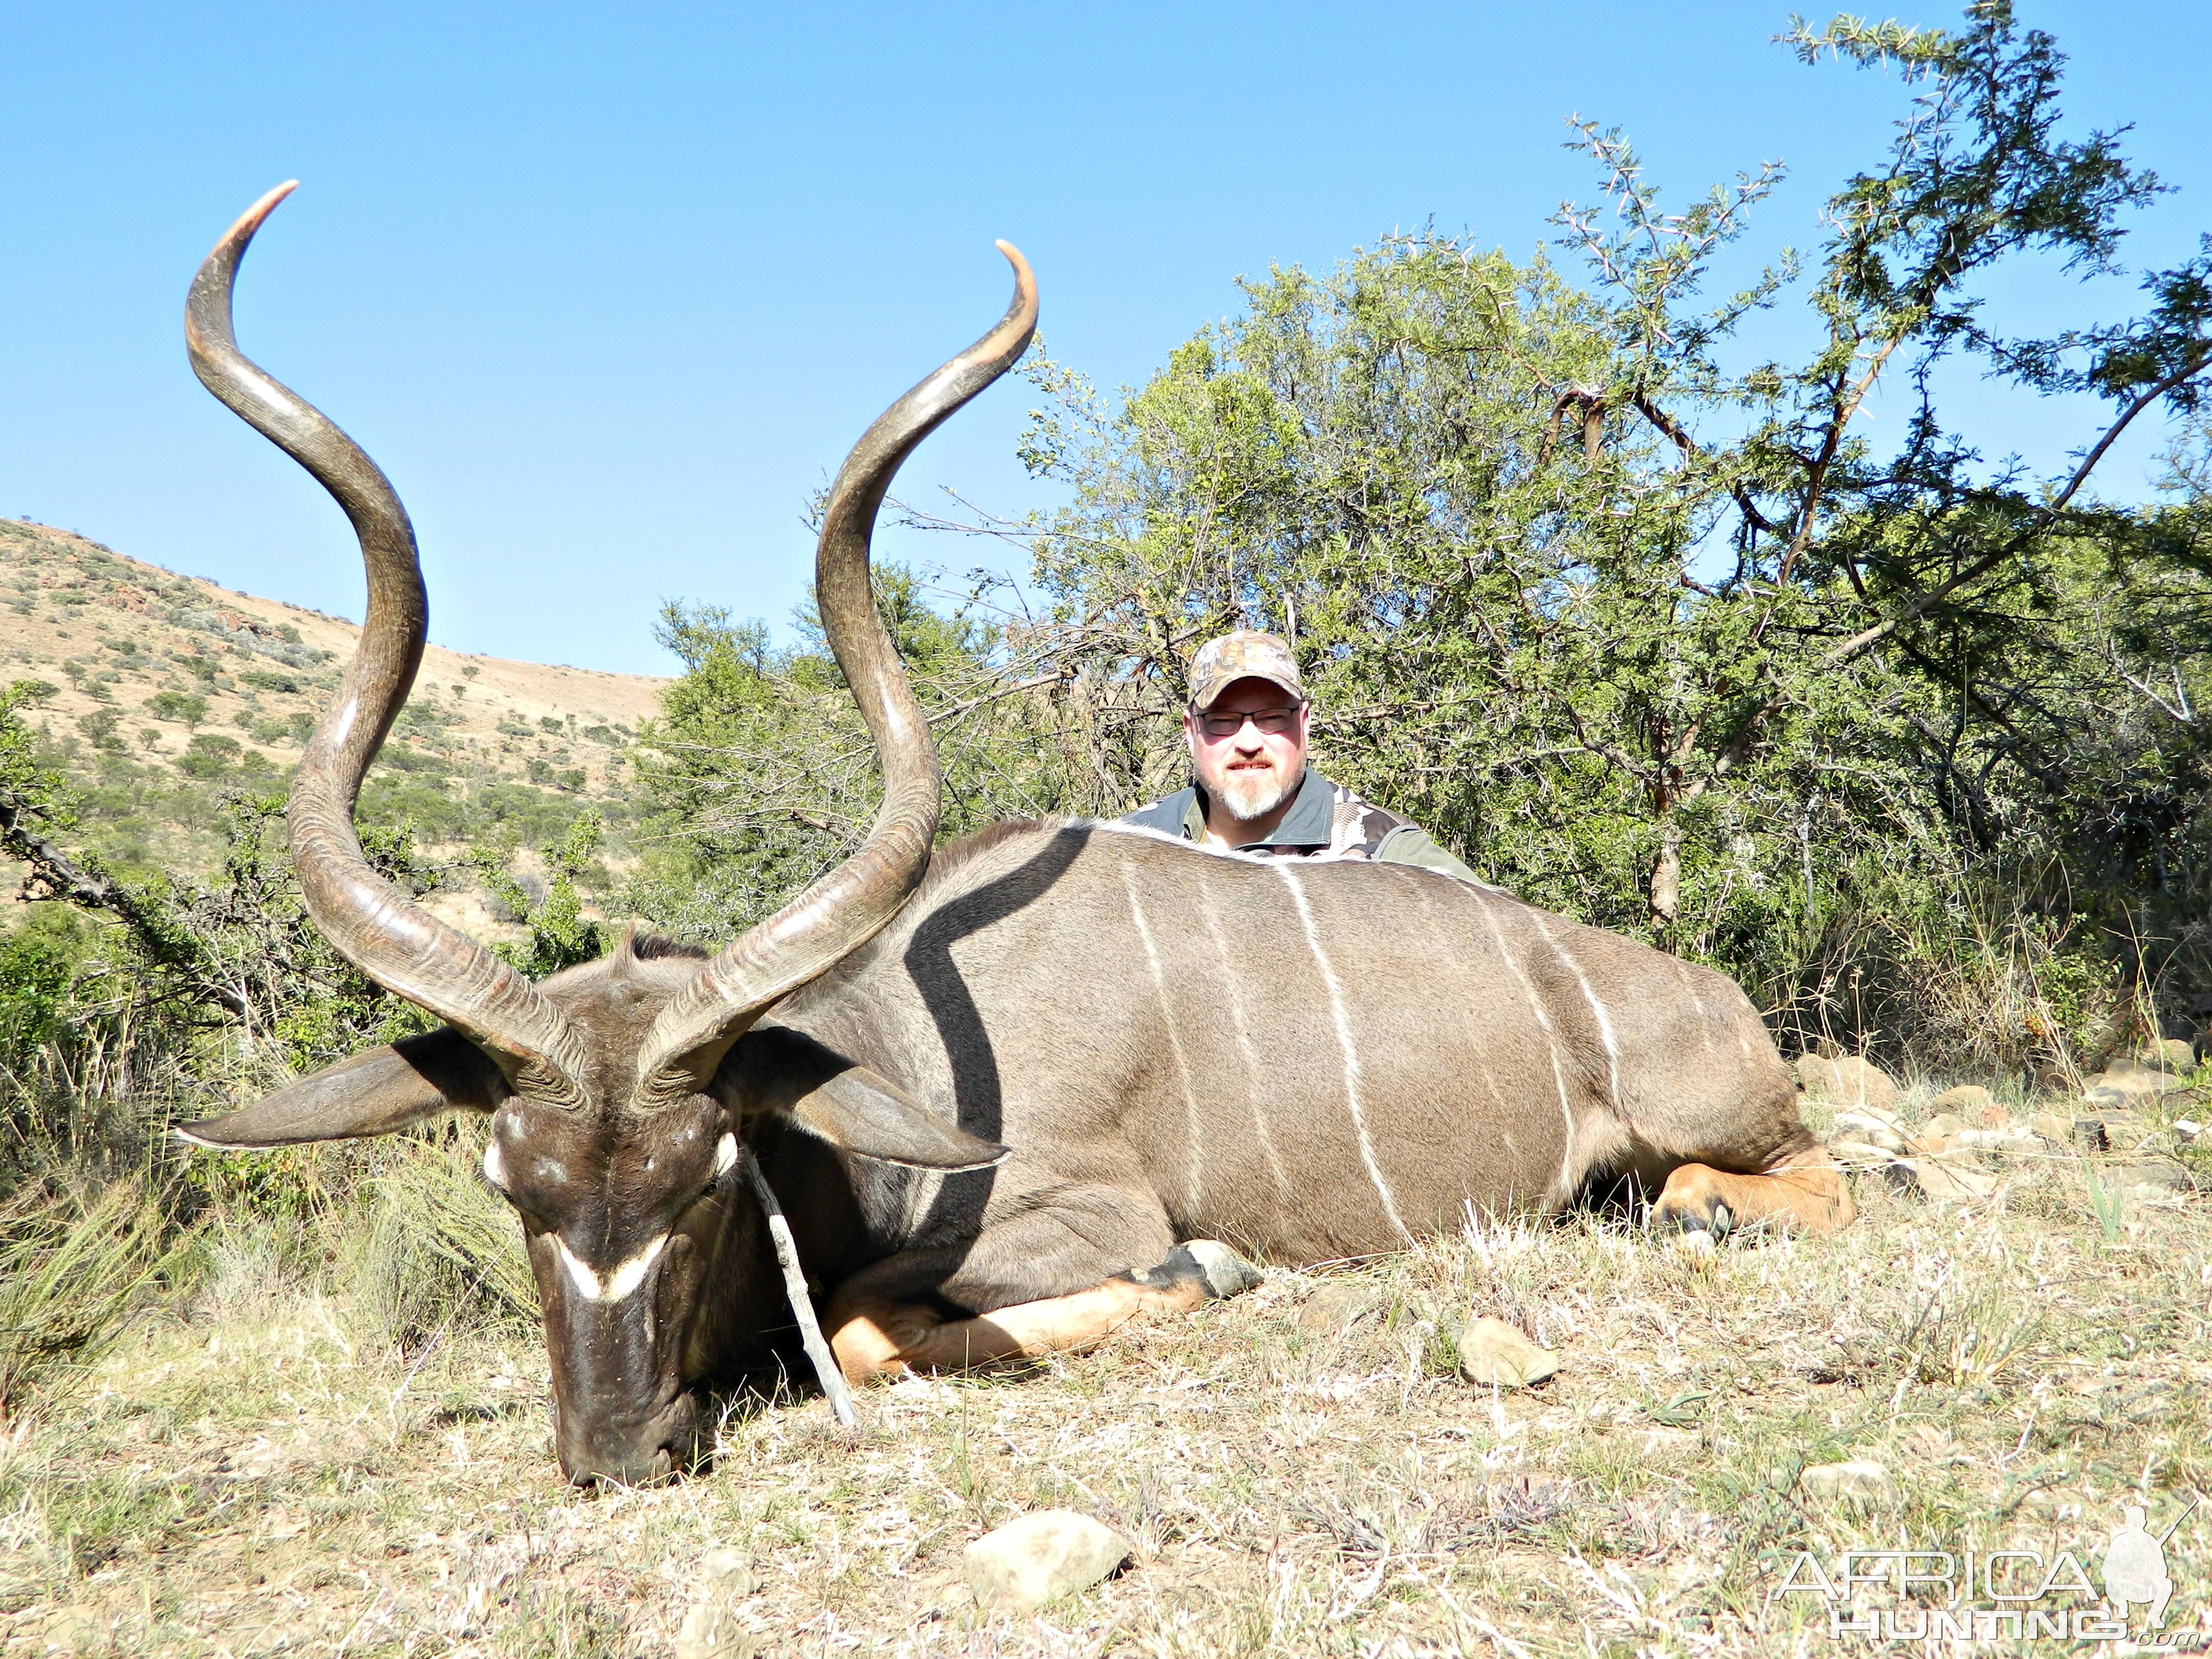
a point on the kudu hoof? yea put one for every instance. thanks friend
(1216, 1269)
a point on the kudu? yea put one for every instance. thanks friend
(1007, 1101)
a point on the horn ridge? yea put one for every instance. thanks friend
(845, 908)
(370, 922)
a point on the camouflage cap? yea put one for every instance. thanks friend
(1245, 655)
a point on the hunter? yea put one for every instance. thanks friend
(1246, 729)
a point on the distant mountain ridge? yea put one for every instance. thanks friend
(158, 692)
(111, 634)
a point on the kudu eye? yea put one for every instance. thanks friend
(726, 1164)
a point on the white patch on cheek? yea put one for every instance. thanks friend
(725, 1154)
(495, 1167)
(619, 1284)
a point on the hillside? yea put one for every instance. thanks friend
(158, 691)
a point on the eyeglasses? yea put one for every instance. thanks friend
(1272, 721)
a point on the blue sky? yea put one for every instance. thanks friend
(609, 291)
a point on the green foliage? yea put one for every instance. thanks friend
(759, 775)
(39, 960)
(439, 1247)
(209, 755)
(179, 706)
(99, 728)
(70, 1270)
(559, 935)
(1666, 641)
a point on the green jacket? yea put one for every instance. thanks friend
(1326, 820)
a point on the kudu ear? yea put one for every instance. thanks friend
(852, 1107)
(371, 1094)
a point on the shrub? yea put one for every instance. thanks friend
(99, 727)
(210, 755)
(179, 706)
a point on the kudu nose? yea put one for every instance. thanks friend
(653, 1471)
(637, 1453)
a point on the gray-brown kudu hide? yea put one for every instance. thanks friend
(1076, 1047)
(1307, 1061)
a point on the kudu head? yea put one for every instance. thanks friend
(616, 1130)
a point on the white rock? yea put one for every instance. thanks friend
(1042, 1557)
(1492, 1351)
(1861, 1478)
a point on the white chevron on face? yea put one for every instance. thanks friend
(619, 1284)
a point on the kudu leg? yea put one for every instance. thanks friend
(874, 1335)
(1805, 1190)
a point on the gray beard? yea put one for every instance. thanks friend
(1254, 794)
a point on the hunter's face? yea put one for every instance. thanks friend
(1248, 748)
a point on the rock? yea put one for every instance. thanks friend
(2127, 1083)
(2153, 1178)
(1335, 1308)
(1969, 1101)
(1872, 1129)
(1862, 1479)
(1939, 1180)
(1851, 1081)
(709, 1631)
(1492, 1351)
(1943, 1126)
(2063, 1128)
(2008, 1139)
(2169, 1055)
(1860, 1153)
(1041, 1557)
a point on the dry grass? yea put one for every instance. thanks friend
(1300, 1471)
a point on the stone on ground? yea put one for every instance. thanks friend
(1861, 1478)
(2169, 1054)
(1041, 1557)
(2154, 1179)
(1941, 1181)
(1492, 1352)
(2066, 1129)
(710, 1631)
(1334, 1309)
(1870, 1129)
(2126, 1083)
(1972, 1103)
(1851, 1081)
(2005, 1138)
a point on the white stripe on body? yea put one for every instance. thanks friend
(1193, 1171)
(1344, 1042)
(1552, 1040)
(1252, 1071)
(1597, 1008)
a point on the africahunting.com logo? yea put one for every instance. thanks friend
(2012, 1595)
